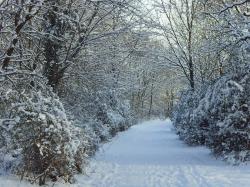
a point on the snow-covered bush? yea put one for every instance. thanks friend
(100, 130)
(189, 125)
(98, 109)
(115, 114)
(220, 118)
(229, 122)
(39, 135)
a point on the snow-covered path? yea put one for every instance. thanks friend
(150, 155)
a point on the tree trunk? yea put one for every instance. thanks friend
(53, 67)
(151, 101)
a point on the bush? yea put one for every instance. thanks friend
(37, 130)
(229, 127)
(101, 113)
(190, 126)
(219, 118)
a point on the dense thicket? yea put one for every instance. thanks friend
(65, 82)
(218, 118)
(73, 73)
(216, 113)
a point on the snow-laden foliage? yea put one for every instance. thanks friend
(103, 113)
(184, 116)
(218, 119)
(40, 136)
(229, 117)
(49, 133)
(218, 115)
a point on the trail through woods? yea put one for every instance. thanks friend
(151, 155)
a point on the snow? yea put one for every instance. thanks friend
(151, 155)
(237, 85)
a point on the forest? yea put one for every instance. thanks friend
(75, 73)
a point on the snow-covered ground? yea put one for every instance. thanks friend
(151, 155)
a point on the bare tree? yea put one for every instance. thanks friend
(179, 19)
